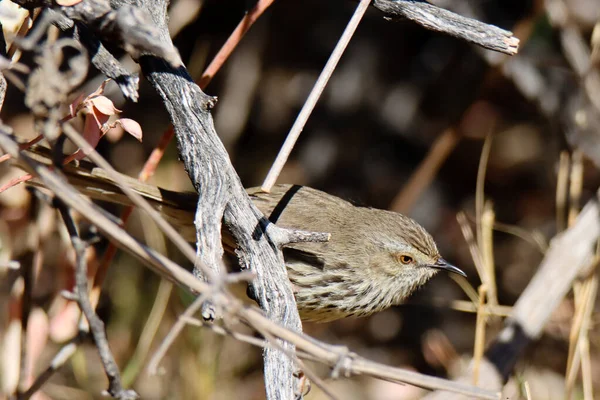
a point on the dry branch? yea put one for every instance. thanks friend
(81, 295)
(222, 195)
(127, 25)
(444, 21)
(314, 96)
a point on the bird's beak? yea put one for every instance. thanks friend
(443, 264)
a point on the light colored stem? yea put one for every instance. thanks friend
(487, 249)
(479, 334)
(480, 203)
(314, 96)
(562, 182)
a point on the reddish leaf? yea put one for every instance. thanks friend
(132, 127)
(104, 105)
(67, 3)
(92, 132)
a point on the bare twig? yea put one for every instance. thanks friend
(487, 248)
(233, 40)
(479, 333)
(115, 388)
(469, 306)
(60, 359)
(479, 206)
(473, 248)
(102, 59)
(282, 237)
(575, 186)
(314, 96)
(562, 182)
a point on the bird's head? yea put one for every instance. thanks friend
(409, 251)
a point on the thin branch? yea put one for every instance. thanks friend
(562, 184)
(96, 325)
(106, 63)
(314, 96)
(485, 273)
(233, 40)
(60, 359)
(173, 333)
(479, 333)
(285, 236)
(138, 200)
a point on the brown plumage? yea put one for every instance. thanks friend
(374, 259)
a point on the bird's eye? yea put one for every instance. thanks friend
(404, 259)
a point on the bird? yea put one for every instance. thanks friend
(373, 260)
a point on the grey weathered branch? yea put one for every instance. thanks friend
(444, 21)
(127, 25)
(222, 197)
(100, 57)
(107, 63)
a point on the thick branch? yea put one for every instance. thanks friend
(221, 195)
(107, 63)
(128, 26)
(440, 20)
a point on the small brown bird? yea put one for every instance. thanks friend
(373, 260)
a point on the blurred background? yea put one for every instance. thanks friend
(403, 101)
